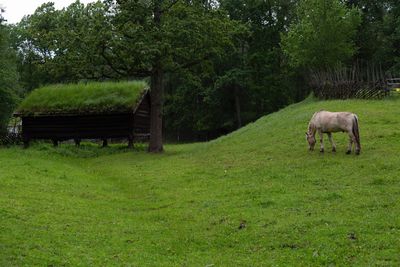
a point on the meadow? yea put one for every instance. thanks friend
(256, 197)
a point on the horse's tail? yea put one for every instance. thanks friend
(356, 132)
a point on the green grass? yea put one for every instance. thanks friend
(256, 197)
(93, 97)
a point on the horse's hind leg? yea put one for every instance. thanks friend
(321, 140)
(352, 139)
(332, 143)
(357, 148)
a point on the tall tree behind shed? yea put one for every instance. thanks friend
(156, 37)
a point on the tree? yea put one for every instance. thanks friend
(251, 80)
(205, 101)
(257, 70)
(378, 36)
(152, 38)
(323, 34)
(82, 31)
(8, 77)
(35, 40)
(126, 39)
(56, 46)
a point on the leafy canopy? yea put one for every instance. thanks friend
(8, 77)
(167, 35)
(94, 97)
(58, 46)
(322, 36)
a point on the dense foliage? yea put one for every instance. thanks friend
(222, 63)
(251, 80)
(378, 37)
(323, 34)
(93, 97)
(8, 77)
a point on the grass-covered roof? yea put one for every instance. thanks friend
(93, 98)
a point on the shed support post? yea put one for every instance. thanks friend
(105, 143)
(130, 141)
(77, 142)
(55, 142)
(26, 142)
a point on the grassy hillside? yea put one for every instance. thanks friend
(256, 197)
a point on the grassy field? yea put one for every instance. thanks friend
(256, 197)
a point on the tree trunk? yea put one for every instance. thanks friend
(157, 98)
(237, 106)
(157, 92)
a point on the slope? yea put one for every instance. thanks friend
(255, 197)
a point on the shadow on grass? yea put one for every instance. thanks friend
(94, 149)
(86, 149)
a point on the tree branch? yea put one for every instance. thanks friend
(191, 63)
(140, 73)
(110, 63)
(166, 9)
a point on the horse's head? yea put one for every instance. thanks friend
(311, 140)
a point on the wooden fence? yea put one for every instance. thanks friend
(359, 81)
(393, 83)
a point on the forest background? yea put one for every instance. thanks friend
(219, 64)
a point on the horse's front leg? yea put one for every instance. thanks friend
(332, 143)
(321, 140)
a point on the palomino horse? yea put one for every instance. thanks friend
(330, 122)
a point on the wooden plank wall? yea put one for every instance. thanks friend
(142, 117)
(70, 127)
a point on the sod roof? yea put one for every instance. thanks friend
(83, 98)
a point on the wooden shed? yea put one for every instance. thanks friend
(86, 111)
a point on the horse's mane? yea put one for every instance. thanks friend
(311, 127)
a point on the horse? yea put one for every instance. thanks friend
(330, 122)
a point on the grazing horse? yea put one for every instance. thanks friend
(330, 122)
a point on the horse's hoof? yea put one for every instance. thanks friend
(321, 150)
(333, 149)
(348, 152)
(357, 152)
